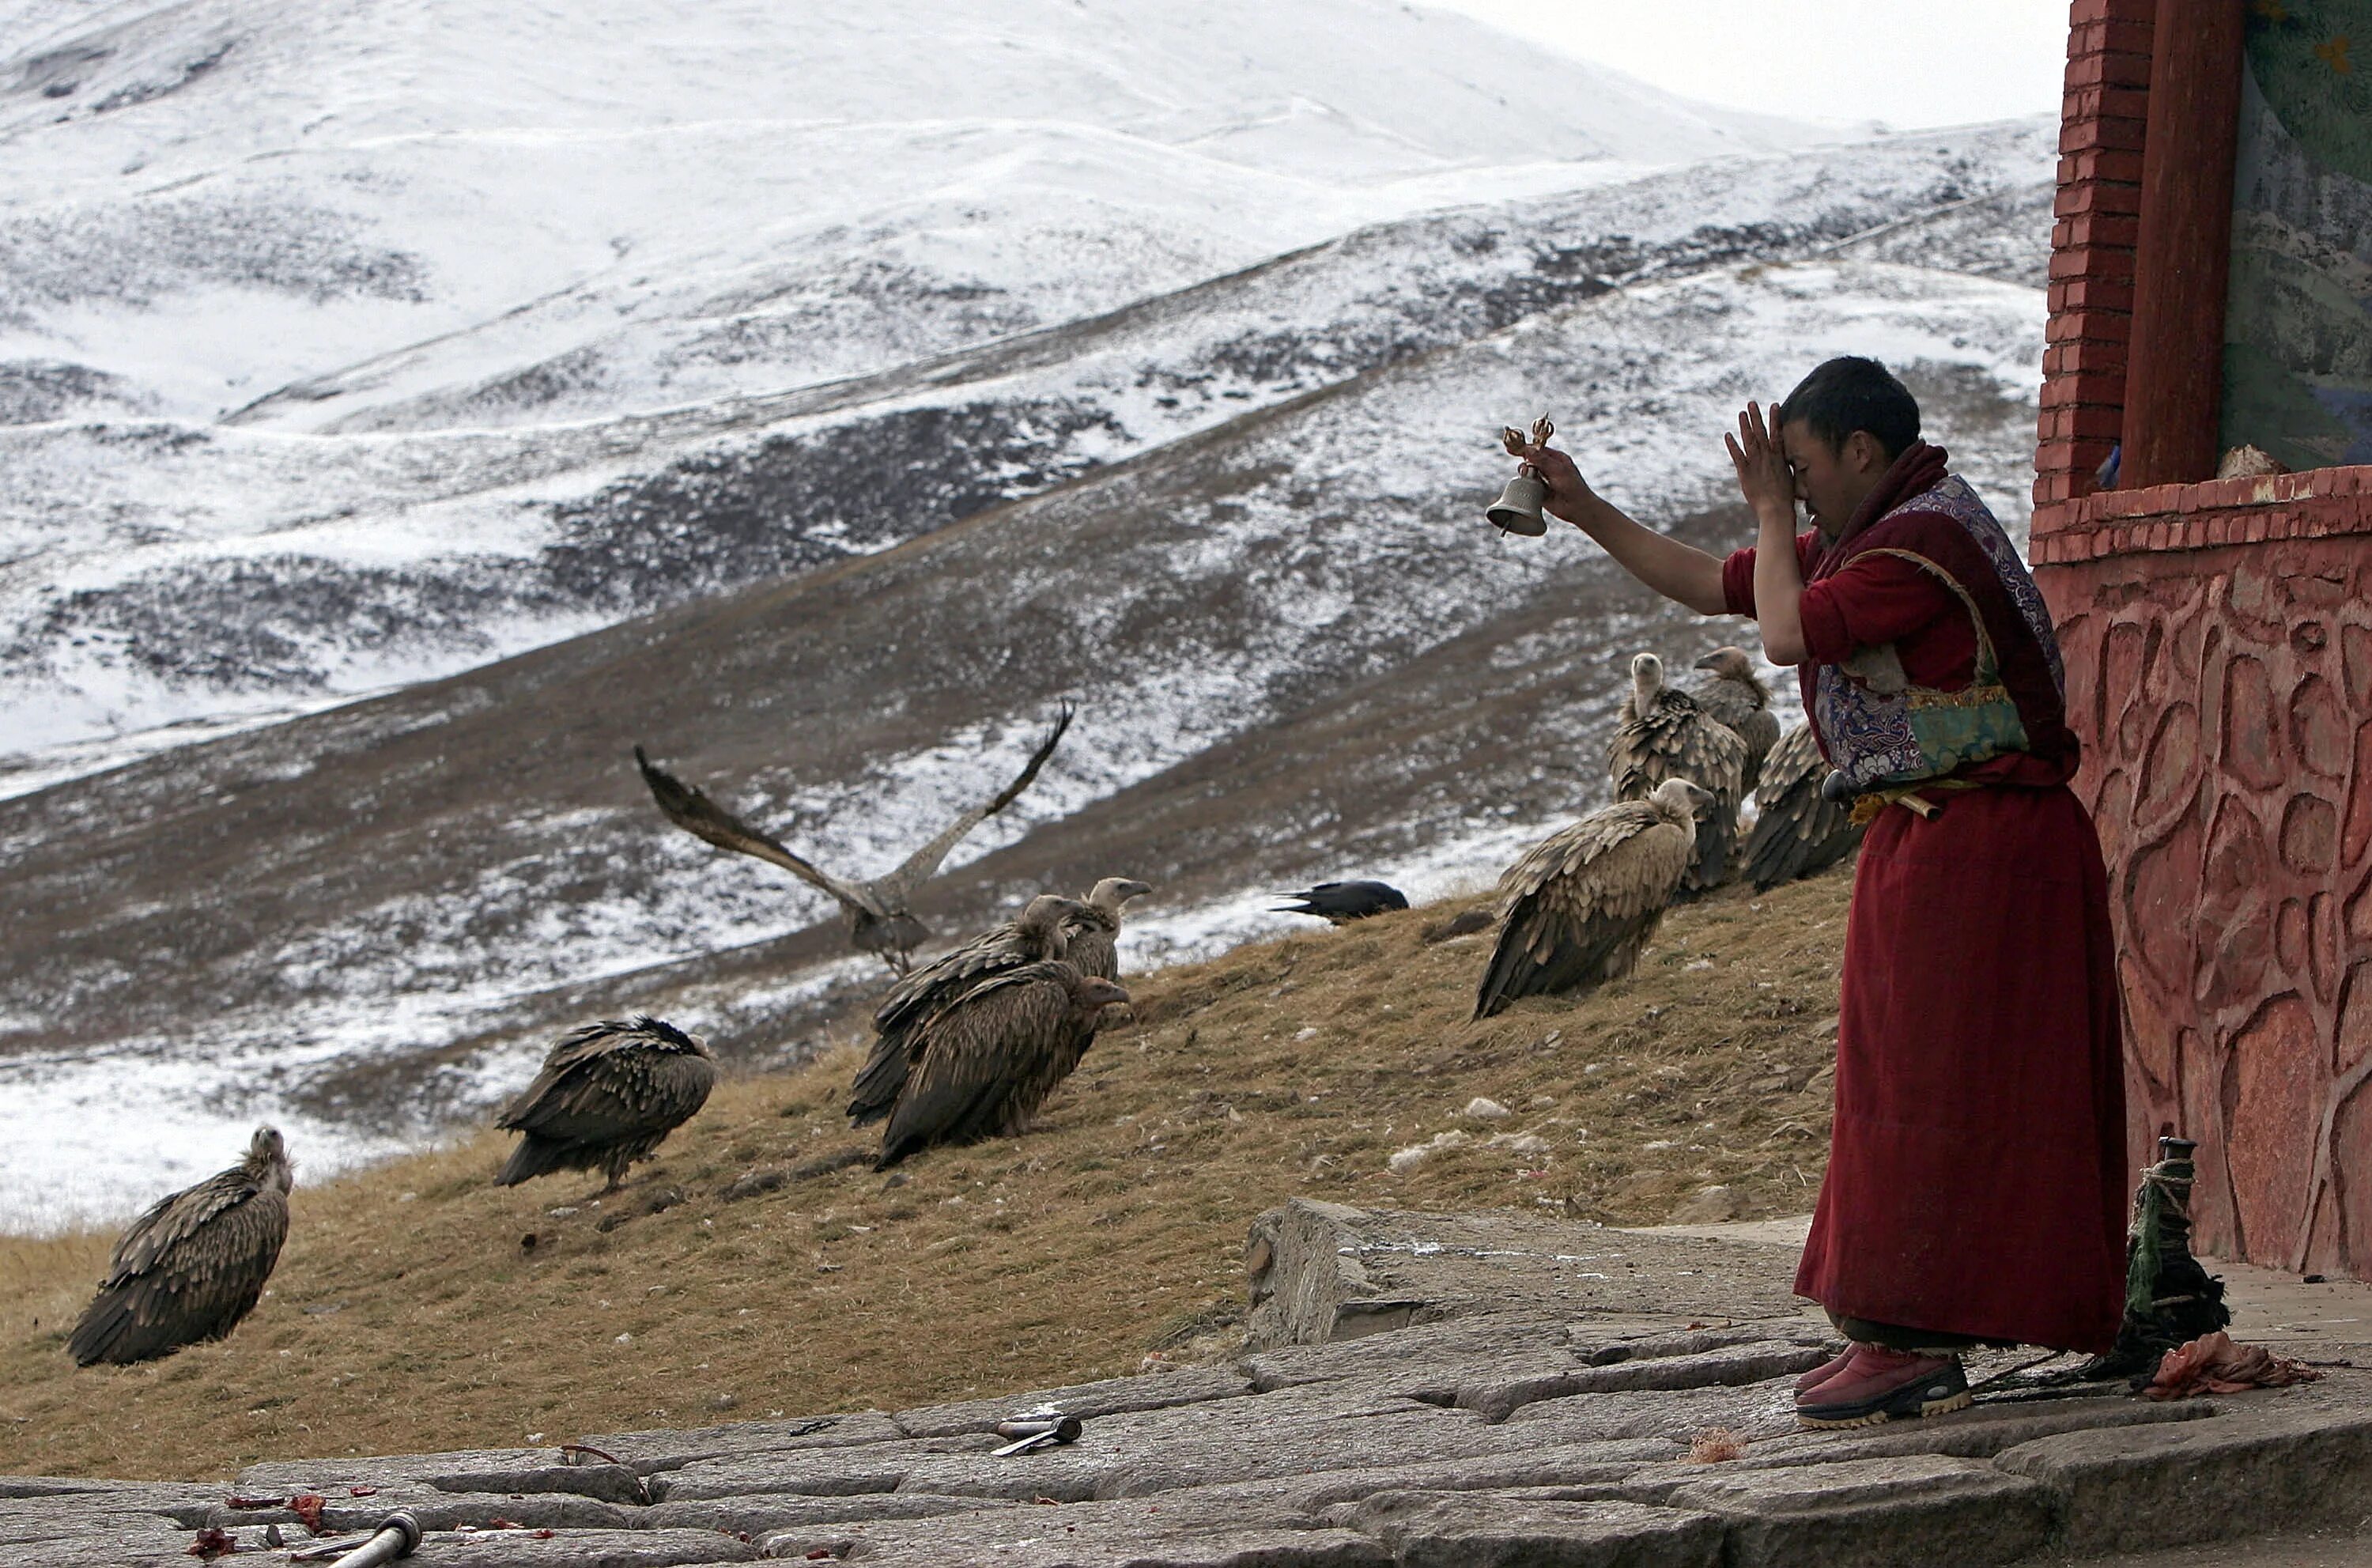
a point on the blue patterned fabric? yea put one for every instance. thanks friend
(1881, 739)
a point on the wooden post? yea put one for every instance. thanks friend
(2182, 264)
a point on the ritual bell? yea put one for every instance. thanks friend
(1517, 510)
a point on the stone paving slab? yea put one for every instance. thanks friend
(1874, 1513)
(1527, 1414)
(1435, 1529)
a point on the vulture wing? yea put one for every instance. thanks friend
(1741, 706)
(969, 1058)
(1581, 902)
(898, 886)
(690, 808)
(188, 1270)
(1799, 831)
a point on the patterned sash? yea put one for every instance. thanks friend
(1882, 732)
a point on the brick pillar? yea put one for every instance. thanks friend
(2103, 120)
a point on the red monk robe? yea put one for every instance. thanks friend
(1976, 1181)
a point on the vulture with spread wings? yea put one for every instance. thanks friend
(880, 917)
(194, 1264)
(1800, 830)
(1582, 902)
(1666, 734)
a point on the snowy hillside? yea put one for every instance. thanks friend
(600, 231)
(821, 400)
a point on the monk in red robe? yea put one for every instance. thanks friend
(1976, 1190)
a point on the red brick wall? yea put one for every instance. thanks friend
(2218, 641)
(2102, 119)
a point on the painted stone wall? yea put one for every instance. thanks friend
(2225, 696)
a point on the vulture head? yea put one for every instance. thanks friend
(267, 1163)
(1677, 800)
(1042, 915)
(1647, 680)
(1108, 895)
(1091, 995)
(1732, 664)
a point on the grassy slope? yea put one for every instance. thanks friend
(407, 1313)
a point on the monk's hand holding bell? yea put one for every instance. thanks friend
(1567, 491)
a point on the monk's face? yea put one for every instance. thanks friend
(1831, 481)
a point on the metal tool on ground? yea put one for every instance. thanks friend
(398, 1536)
(1033, 1433)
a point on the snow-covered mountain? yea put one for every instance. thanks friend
(825, 397)
(561, 247)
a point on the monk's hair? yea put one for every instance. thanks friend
(1848, 394)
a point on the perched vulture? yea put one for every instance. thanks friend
(1339, 903)
(1665, 735)
(983, 1066)
(1582, 902)
(609, 1094)
(1800, 830)
(1735, 694)
(880, 920)
(1040, 932)
(194, 1264)
(1093, 945)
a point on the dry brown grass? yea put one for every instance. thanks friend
(410, 1313)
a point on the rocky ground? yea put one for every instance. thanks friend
(1478, 1389)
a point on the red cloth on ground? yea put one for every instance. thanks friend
(1976, 1181)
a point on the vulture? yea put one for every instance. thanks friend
(1665, 734)
(1800, 830)
(1582, 902)
(194, 1264)
(982, 1066)
(1339, 903)
(880, 919)
(1735, 694)
(609, 1094)
(1094, 934)
(1040, 932)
